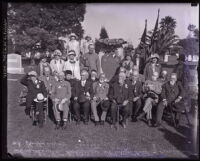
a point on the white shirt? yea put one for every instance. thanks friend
(83, 83)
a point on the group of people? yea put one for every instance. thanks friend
(78, 86)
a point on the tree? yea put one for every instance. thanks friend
(103, 33)
(30, 23)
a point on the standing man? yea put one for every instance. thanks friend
(92, 60)
(61, 94)
(73, 65)
(172, 94)
(83, 93)
(57, 64)
(120, 95)
(137, 94)
(100, 90)
(86, 43)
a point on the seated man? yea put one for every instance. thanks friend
(34, 86)
(61, 94)
(82, 95)
(172, 94)
(137, 94)
(120, 95)
(152, 90)
(100, 90)
(93, 76)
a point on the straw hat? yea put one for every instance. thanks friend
(40, 98)
(73, 35)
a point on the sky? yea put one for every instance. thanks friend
(127, 20)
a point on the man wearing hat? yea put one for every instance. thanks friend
(57, 64)
(120, 95)
(73, 65)
(61, 94)
(82, 95)
(34, 86)
(73, 44)
(152, 66)
(43, 63)
(100, 91)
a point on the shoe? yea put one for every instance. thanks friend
(149, 123)
(86, 122)
(96, 123)
(157, 124)
(124, 125)
(58, 125)
(27, 111)
(140, 116)
(64, 125)
(102, 122)
(34, 123)
(134, 119)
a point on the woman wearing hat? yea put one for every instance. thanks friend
(57, 64)
(73, 44)
(152, 66)
(34, 86)
(73, 65)
(127, 64)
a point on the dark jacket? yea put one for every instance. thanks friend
(80, 91)
(148, 71)
(73, 85)
(171, 93)
(137, 89)
(120, 93)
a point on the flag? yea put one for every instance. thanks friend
(154, 37)
(143, 38)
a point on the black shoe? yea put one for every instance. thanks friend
(96, 123)
(149, 123)
(86, 122)
(27, 111)
(157, 124)
(134, 119)
(102, 122)
(78, 122)
(34, 123)
(58, 125)
(64, 125)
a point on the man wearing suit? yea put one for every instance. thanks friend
(61, 94)
(172, 94)
(100, 89)
(137, 94)
(83, 92)
(120, 95)
(34, 86)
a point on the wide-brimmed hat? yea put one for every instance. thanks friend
(32, 74)
(105, 105)
(40, 98)
(68, 72)
(71, 52)
(155, 55)
(73, 35)
(57, 52)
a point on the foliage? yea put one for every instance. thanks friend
(103, 33)
(30, 23)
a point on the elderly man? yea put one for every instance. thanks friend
(83, 92)
(120, 95)
(137, 94)
(152, 89)
(100, 91)
(92, 60)
(34, 86)
(47, 79)
(93, 76)
(61, 94)
(172, 95)
(73, 65)
(163, 77)
(115, 78)
(57, 64)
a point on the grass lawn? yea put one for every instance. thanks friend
(136, 141)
